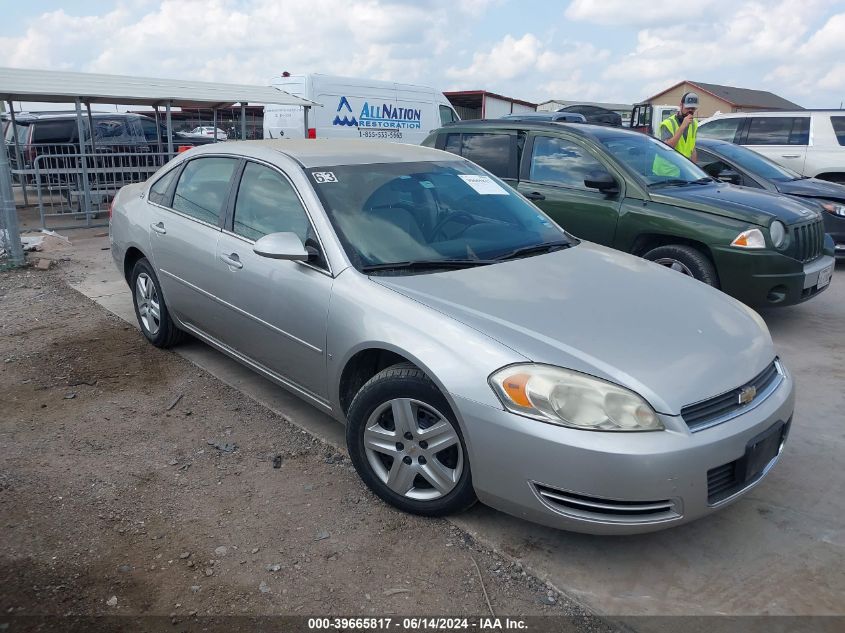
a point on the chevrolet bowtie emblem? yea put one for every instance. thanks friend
(747, 394)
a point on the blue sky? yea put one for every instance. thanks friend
(613, 50)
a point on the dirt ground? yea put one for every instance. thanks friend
(133, 483)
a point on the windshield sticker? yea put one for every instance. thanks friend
(324, 176)
(483, 185)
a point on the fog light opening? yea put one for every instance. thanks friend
(776, 294)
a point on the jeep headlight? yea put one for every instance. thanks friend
(777, 231)
(569, 398)
(834, 208)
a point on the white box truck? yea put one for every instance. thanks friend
(357, 108)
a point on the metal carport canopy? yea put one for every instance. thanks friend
(19, 84)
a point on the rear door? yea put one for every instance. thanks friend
(783, 139)
(552, 176)
(184, 228)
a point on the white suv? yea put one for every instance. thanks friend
(811, 142)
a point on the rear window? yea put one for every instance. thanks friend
(23, 130)
(838, 123)
(776, 130)
(55, 131)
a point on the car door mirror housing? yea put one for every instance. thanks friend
(601, 180)
(730, 176)
(281, 246)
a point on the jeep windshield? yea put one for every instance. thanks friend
(430, 216)
(654, 161)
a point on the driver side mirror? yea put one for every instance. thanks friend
(281, 246)
(729, 176)
(603, 181)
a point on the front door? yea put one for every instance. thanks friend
(278, 309)
(552, 176)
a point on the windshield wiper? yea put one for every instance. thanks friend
(535, 249)
(428, 264)
(702, 181)
(672, 182)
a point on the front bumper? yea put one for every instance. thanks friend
(521, 465)
(767, 278)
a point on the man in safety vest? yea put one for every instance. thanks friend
(680, 130)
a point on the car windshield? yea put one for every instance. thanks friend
(757, 164)
(429, 213)
(654, 161)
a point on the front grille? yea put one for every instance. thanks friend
(706, 413)
(808, 241)
(595, 508)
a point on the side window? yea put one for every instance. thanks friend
(158, 192)
(63, 131)
(557, 161)
(838, 123)
(453, 144)
(203, 188)
(776, 130)
(710, 164)
(491, 151)
(149, 128)
(447, 115)
(721, 129)
(267, 203)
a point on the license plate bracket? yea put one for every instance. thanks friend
(824, 277)
(761, 450)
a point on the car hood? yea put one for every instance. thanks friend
(813, 188)
(672, 339)
(740, 203)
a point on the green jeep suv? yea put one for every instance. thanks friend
(634, 193)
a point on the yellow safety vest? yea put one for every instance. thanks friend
(685, 146)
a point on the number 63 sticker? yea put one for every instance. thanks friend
(324, 176)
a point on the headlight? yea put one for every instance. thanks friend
(752, 238)
(834, 208)
(569, 398)
(777, 231)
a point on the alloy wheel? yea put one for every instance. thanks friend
(675, 265)
(149, 307)
(413, 449)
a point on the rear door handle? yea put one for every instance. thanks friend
(535, 195)
(159, 228)
(232, 259)
(791, 155)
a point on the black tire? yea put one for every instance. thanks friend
(695, 263)
(406, 381)
(166, 334)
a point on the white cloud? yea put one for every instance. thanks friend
(632, 13)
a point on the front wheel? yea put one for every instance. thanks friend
(406, 445)
(685, 260)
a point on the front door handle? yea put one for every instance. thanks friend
(159, 228)
(791, 155)
(232, 259)
(535, 195)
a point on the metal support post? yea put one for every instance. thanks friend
(158, 130)
(83, 159)
(18, 155)
(169, 131)
(9, 213)
(91, 127)
(243, 122)
(214, 122)
(305, 111)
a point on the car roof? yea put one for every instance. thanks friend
(767, 113)
(711, 143)
(327, 152)
(596, 132)
(29, 117)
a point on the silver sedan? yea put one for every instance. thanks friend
(474, 349)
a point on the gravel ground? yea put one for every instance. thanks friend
(133, 483)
